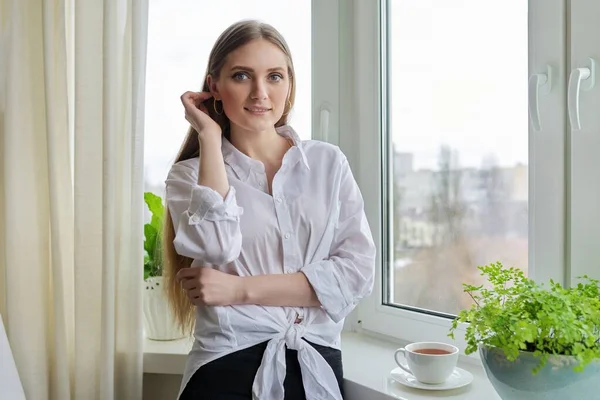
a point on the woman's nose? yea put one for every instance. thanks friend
(259, 91)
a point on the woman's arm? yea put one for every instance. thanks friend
(346, 277)
(212, 167)
(208, 286)
(338, 283)
(206, 224)
(291, 290)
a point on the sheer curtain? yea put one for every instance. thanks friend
(72, 78)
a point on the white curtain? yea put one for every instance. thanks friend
(72, 76)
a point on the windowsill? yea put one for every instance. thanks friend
(367, 365)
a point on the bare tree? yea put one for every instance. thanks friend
(447, 210)
(493, 218)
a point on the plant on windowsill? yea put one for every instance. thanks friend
(535, 342)
(159, 323)
(152, 236)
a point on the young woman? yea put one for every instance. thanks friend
(267, 245)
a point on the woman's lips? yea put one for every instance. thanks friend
(257, 110)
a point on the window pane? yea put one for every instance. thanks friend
(458, 137)
(180, 37)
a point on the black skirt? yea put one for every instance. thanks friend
(230, 377)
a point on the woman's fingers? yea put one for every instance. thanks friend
(193, 102)
(196, 113)
(195, 98)
(189, 284)
(195, 296)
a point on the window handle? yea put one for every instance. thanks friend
(538, 84)
(583, 78)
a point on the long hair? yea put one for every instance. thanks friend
(237, 35)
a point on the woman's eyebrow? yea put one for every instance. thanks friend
(241, 67)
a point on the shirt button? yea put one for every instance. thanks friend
(288, 271)
(279, 200)
(287, 235)
(195, 219)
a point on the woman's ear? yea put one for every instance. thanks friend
(212, 87)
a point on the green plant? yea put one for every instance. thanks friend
(517, 314)
(152, 236)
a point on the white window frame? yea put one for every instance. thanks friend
(584, 185)
(363, 119)
(325, 90)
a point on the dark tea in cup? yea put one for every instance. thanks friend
(432, 351)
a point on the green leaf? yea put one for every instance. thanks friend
(156, 222)
(156, 207)
(152, 235)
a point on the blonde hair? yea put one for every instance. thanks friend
(235, 36)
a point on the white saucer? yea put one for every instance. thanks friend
(458, 379)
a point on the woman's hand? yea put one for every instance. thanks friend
(197, 114)
(207, 286)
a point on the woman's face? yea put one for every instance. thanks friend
(253, 85)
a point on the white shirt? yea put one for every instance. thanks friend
(313, 223)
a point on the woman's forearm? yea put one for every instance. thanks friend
(283, 290)
(212, 167)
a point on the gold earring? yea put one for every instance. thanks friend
(215, 107)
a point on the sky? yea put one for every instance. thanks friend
(458, 74)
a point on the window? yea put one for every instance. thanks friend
(457, 136)
(181, 35)
(454, 174)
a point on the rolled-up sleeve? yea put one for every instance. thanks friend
(346, 277)
(206, 225)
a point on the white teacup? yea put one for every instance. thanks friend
(428, 362)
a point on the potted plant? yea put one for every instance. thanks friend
(159, 323)
(535, 342)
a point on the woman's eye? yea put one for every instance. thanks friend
(240, 76)
(276, 77)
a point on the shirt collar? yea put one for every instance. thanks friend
(242, 164)
(298, 148)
